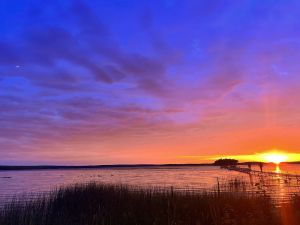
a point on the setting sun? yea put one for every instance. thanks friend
(276, 158)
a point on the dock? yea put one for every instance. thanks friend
(269, 174)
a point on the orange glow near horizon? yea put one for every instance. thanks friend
(273, 156)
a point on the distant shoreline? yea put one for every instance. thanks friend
(54, 167)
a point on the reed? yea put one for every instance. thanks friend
(100, 204)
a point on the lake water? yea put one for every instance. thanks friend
(14, 183)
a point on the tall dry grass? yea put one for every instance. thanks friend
(99, 204)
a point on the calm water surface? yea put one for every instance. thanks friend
(14, 183)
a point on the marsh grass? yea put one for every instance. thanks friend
(99, 204)
(235, 185)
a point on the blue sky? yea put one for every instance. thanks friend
(125, 81)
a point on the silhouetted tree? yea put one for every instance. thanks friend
(226, 162)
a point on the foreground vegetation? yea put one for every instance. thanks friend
(98, 204)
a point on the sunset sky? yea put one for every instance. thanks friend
(131, 81)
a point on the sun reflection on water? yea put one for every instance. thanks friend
(277, 169)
